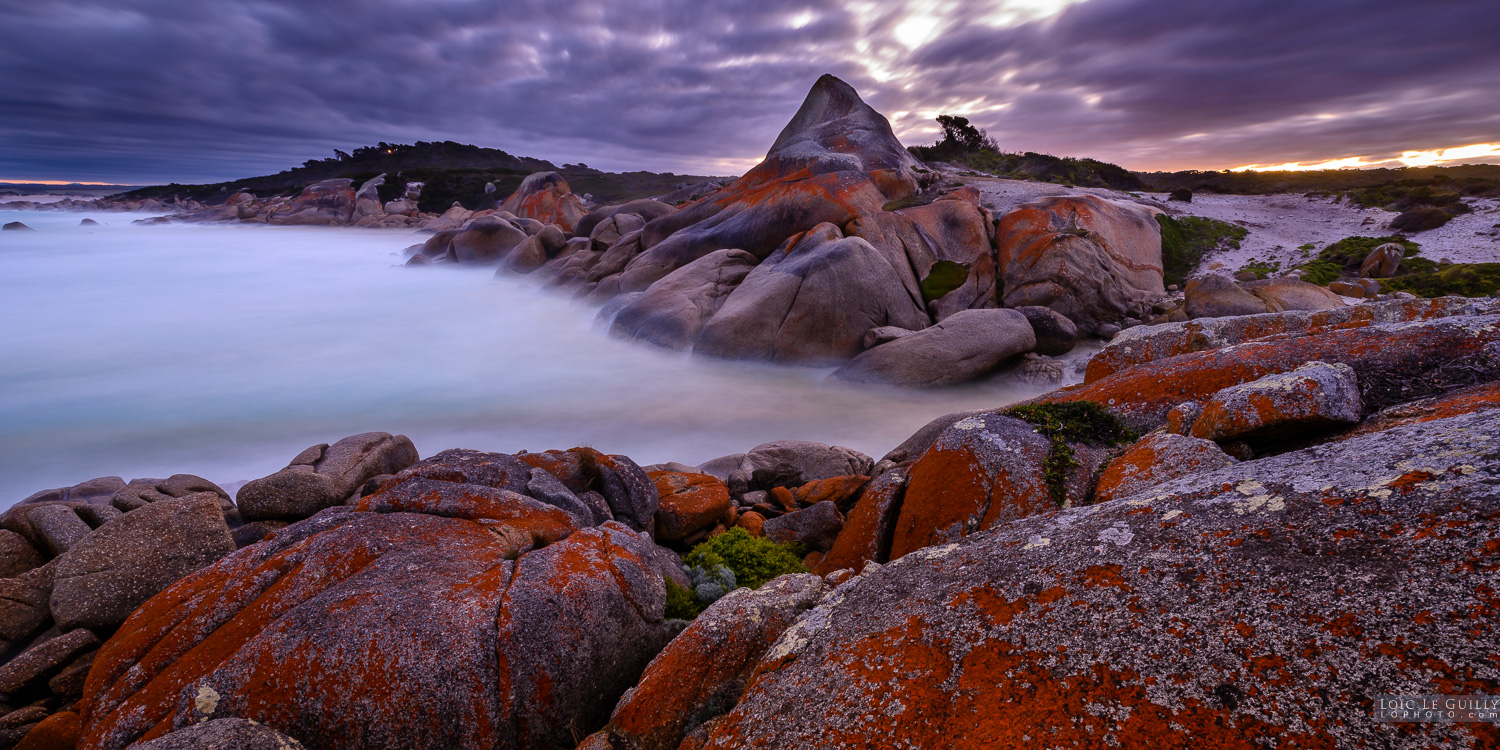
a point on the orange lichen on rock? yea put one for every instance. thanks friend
(688, 504)
(1401, 353)
(1156, 458)
(366, 630)
(981, 471)
(1217, 612)
(839, 490)
(868, 528)
(1147, 344)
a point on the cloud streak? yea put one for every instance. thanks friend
(156, 90)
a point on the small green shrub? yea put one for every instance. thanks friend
(1070, 422)
(754, 560)
(681, 603)
(1186, 240)
(1463, 279)
(945, 276)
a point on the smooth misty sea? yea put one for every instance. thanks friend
(144, 351)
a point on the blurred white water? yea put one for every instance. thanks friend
(224, 351)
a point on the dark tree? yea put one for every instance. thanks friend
(959, 134)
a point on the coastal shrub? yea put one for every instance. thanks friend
(1185, 240)
(681, 603)
(1184, 195)
(1463, 279)
(1070, 422)
(753, 560)
(1420, 219)
(1262, 268)
(1345, 256)
(945, 276)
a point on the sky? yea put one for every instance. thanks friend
(150, 91)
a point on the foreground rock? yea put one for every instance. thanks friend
(1316, 396)
(705, 669)
(441, 630)
(1213, 609)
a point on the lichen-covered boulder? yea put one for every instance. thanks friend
(1143, 344)
(955, 230)
(1265, 604)
(981, 471)
(837, 159)
(704, 670)
(811, 301)
(965, 346)
(1395, 363)
(688, 504)
(378, 630)
(869, 527)
(1312, 398)
(1092, 259)
(1157, 458)
(614, 486)
(546, 197)
(325, 475)
(672, 312)
(106, 575)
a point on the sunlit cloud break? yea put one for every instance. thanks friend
(1477, 151)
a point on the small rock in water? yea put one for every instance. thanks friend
(15, 225)
(88, 223)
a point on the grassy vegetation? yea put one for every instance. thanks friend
(1468, 179)
(1262, 268)
(1071, 422)
(1186, 240)
(945, 276)
(968, 146)
(1463, 279)
(734, 559)
(682, 604)
(1343, 258)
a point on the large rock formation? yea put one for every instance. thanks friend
(811, 301)
(327, 203)
(1092, 259)
(546, 197)
(837, 159)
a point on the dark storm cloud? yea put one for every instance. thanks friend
(191, 91)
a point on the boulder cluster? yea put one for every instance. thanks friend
(838, 249)
(1238, 531)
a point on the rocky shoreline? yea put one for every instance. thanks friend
(1240, 530)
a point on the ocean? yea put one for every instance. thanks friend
(223, 351)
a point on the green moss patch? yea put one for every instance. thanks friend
(1066, 423)
(1463, 279)
(944, 277)
(1185, 240)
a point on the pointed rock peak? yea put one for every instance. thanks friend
(835, 130)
